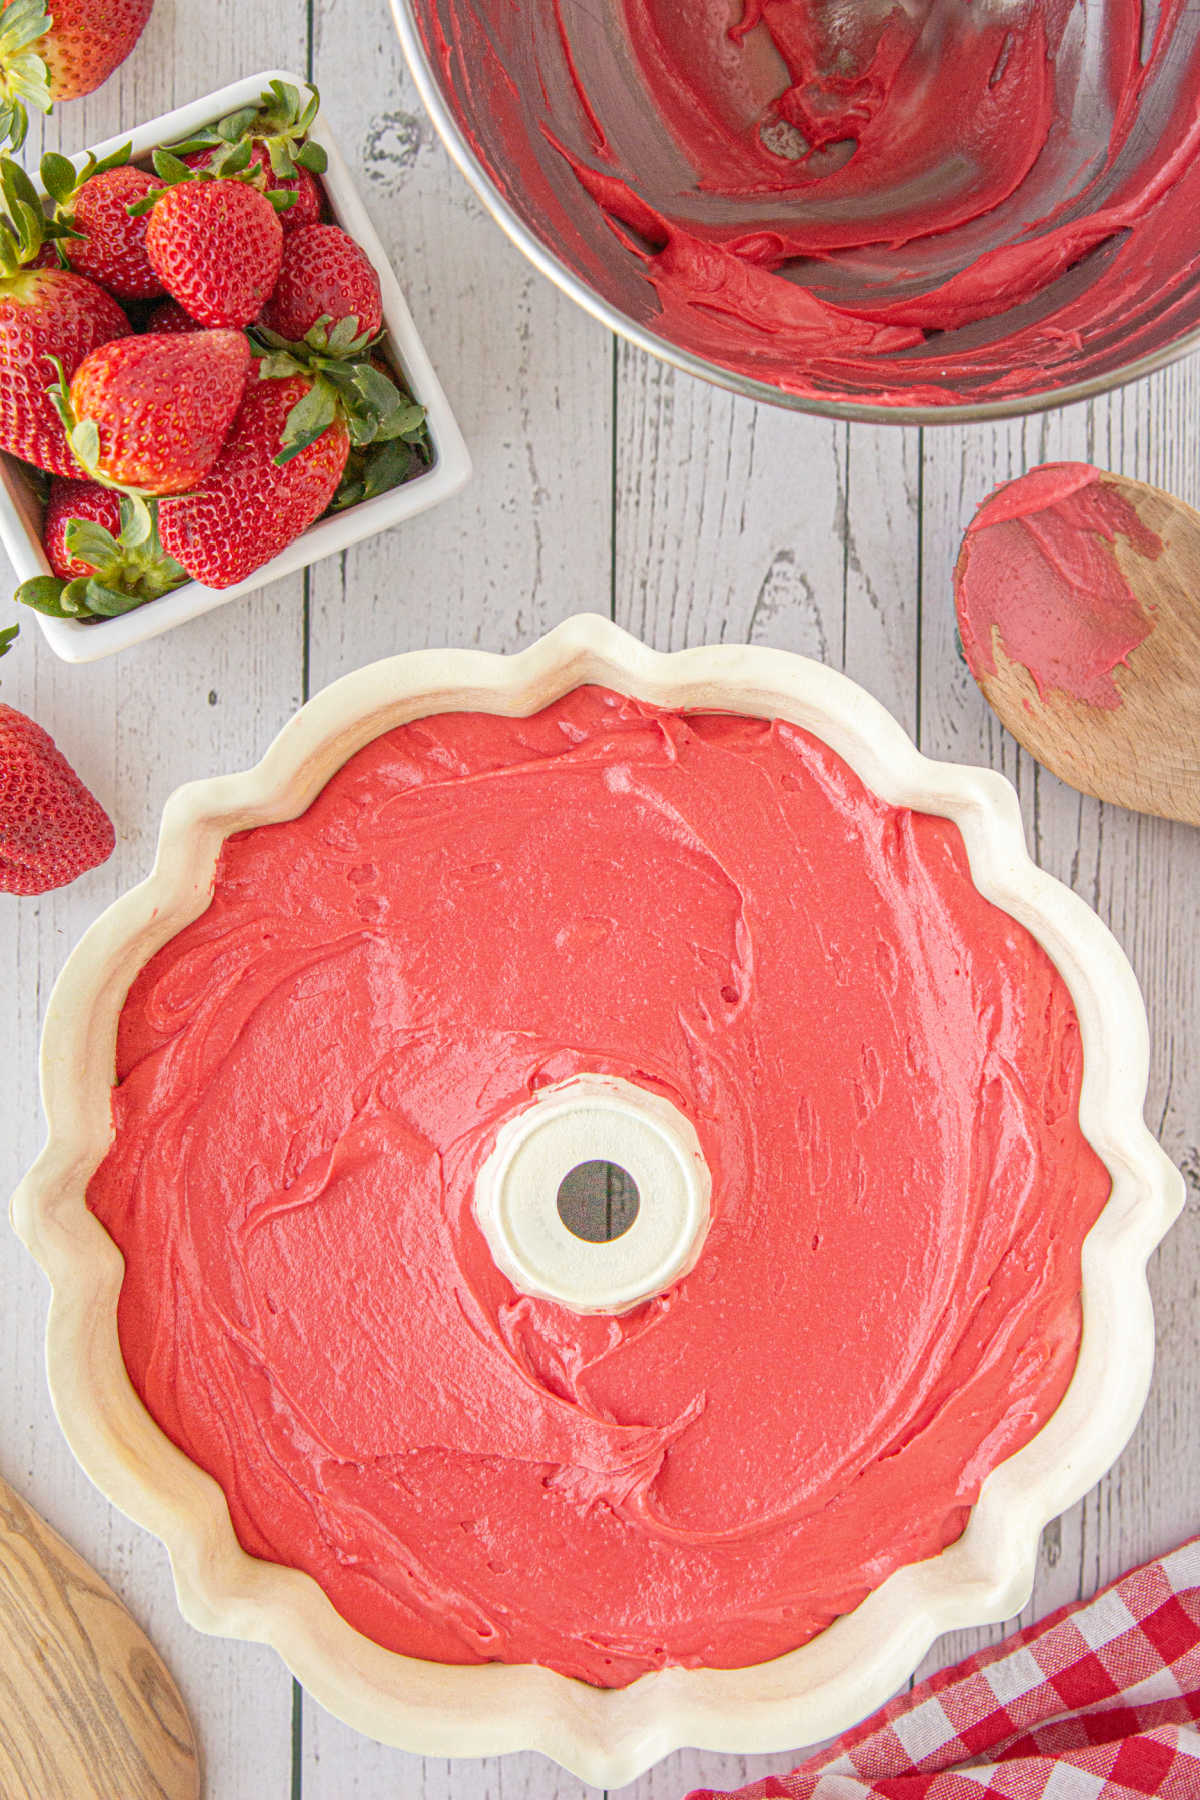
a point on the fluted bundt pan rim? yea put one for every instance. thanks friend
(606, 1737)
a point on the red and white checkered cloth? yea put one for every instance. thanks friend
(1100, 1701)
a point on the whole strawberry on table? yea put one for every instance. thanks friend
(51, 828)
(245, 394)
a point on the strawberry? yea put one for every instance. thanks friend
(324, 276)
(304, 208)
(270, 141)
(76, 500)
(216, 246)
(51, 828)
(346, 382)
(168, 315)
(60, 53)
(104, 241)
(105, 552)
(249, 507)
(45, 314)
(152, 412)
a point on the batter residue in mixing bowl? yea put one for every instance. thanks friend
(819, 192)
(883, 1070)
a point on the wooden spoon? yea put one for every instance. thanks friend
(88, 1709)
(1078, 599)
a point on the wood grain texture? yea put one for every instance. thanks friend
(604, 481)
(1143, 753)
(89, 1708)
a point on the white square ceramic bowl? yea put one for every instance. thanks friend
(449, 471)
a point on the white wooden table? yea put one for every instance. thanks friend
(604, 482)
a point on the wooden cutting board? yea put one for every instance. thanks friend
(88, 1709)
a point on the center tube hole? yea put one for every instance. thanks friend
(598, 1201)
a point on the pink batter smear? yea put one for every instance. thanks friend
(883, 1070)
(858, 199)
(1038, 570)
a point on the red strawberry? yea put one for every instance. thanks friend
(162, 404)
(305, 208)
(216, 247)
(51, 827)
(112, 247)
(324, 274)
(45, 313)
(249, 508)
(168, 315)
(61, 52)
(76, 500)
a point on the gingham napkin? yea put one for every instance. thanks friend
(1100, 1701)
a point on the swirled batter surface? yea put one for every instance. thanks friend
(888, 201)
(883, 1070)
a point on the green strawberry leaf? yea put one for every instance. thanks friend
(91, 543)
(28, 83)
(313, 158)
(274, 364)
(362, 431)
(379, 393)
(8, 637)
(239, 124)
(24, 22)
(58, 177)
(342, 336)
(44, 594)
(11, 258)
(59, 391)
(269, 337)
(281, 198)
(311, 416)
(23, 204)
(109, 602)
(137, 521)
(85, 442)
(316, 336)
(281, 104)
(375, 471)
(116, 159)
(279, 155)
(406, 422)
(200, 140)
(237, 157)
(171, 170)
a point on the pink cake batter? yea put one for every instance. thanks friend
(1038, 569)
(883, 1070)
(856, 199)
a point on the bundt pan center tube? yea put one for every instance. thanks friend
(703, 734)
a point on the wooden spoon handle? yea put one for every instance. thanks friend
(87, 1706)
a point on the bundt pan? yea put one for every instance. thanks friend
(606, 1736)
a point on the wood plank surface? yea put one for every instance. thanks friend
(604, 481)
(88, 1707)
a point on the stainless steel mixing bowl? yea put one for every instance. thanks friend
(501, 92)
